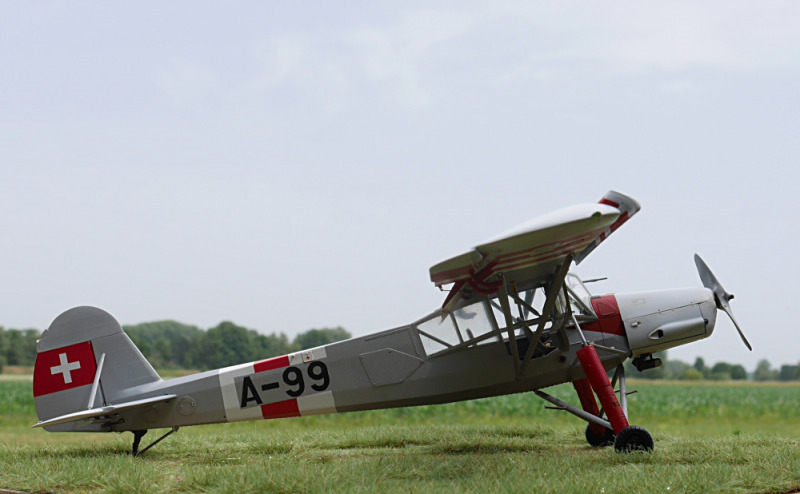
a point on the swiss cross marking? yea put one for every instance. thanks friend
(66, 368)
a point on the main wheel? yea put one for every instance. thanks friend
(633, 438)
(599, 440)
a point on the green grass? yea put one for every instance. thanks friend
(709, 438)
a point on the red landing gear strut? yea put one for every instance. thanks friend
(625, 437)
(598, 379)
(596, 434)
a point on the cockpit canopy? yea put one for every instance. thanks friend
(579, 297)
(483, 321)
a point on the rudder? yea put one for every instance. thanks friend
(68, 355)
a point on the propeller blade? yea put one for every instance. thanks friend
(707, 277)
(727, 308)
(723, 298)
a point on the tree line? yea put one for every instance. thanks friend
(721, 371)
(171, 344)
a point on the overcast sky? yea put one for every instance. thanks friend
(296, 165)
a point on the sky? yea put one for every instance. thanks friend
(296, 165)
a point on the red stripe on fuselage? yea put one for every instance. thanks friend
(609, 319)
(272, 363)
(281, 409)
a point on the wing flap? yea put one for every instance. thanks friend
(101, 411)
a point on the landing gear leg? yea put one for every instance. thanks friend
(629, 438)
(137, 438)
(596, 435)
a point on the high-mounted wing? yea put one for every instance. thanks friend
(529, 254)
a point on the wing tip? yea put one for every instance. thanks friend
(621, 201)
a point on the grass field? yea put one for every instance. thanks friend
(709, 438)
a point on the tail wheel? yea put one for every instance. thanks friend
(633, 438)
(606, 438)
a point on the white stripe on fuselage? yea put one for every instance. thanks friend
(312, 404)
(231, 398)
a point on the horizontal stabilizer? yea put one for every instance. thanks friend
(106, 410)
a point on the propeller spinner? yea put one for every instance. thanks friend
(722, 297)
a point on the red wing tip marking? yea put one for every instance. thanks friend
(608, 202)
(455, 274)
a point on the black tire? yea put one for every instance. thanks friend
(599, 440)
(633, 438)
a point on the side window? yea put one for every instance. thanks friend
(464, 325)
(438, 334)
(473, 321)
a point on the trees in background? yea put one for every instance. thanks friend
(165, 343)
(723, 371)
(681, 371)
(764, 372)
(171, 344)
(228, 344)
(318, 337)
(18, 346)
(787, 373)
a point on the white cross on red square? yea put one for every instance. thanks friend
(65, 368)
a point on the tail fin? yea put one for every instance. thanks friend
(80, 344)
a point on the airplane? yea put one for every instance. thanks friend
(514, 320)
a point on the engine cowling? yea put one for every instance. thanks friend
(658, 320)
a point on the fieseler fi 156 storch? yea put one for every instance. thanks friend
(514, 320)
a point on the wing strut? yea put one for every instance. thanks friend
(93, 393)
(525, 304)
(512, 340)
(547, 311)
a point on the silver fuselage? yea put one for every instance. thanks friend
(404, 367)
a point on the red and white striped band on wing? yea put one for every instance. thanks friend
(309, 404)
(523, 258)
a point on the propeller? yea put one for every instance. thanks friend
(722, 297)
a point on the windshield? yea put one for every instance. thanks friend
(580, 298)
